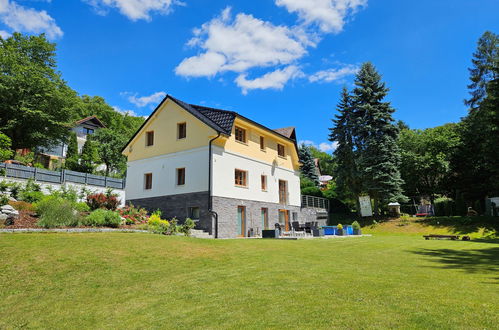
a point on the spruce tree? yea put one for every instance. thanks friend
(72, 156)
(346, 176)
(307, 167)
(375, 139)
(89, 156)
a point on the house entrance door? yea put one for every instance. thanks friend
(241, 221)
(284, 219)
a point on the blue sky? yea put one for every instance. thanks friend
(278, 62)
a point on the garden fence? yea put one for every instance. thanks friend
(43, 175)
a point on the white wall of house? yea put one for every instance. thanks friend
(224, 165)
(164, 177)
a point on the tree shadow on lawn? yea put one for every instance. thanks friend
(463, 224)
(484, 261)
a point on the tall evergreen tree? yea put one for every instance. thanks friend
(375, 138)
(307, 167)
(477, 163)
(346, 175)
(89, 156)
(72, 156)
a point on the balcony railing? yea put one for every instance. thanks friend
(315, 202)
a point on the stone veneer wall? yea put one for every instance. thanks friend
(227, 215)
(178, 206)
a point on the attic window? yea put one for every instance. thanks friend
(240, 134)
(281, 150)
(181, 130)
(149, 138)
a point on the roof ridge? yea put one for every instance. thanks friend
(211, 108)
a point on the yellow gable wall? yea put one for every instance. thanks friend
(164, 124)
(252, 148)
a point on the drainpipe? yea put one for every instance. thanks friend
(210, 201)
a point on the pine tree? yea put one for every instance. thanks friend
(89, 156)
(346, 176)
(72, 156)
(307, 167)
(375, 138)
(485, 61)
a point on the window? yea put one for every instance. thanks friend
(181, 131)
(295, 216)
(148, 181)
(262, 143)
(241, 178)
(281, 151)
(180, 176)
(194, 213)
(264, 183)
(283, 192)
(240, 134)
(149, 138)
(88, 130)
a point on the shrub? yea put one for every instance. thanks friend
(133, 215)
(81, 207)
(68, 193)
(22, 206)
(14, 189)
(355, 225)
(31, 196)
(4, 187)
(158, 226)
(103, 218)
(340, 226)
(102, 201)
(4, 199)
(312, 191)
(56, 212)
(187, 226)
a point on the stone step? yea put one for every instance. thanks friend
(198, 233)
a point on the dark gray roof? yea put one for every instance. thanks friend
(224, 118)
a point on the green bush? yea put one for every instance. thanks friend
(56, 212)
(312, 191)
(157, 225)
(445, 206)
(31, 196)
(15, 189)
(355, 225)
(4, 186)
(187, 226)
(81, 207)
(4, 199)
(103, 218)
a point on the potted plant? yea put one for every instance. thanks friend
(318, 232)
(356, 228)
(339, 229)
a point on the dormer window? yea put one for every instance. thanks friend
(149, 138)
(181, 131)
(240, 134)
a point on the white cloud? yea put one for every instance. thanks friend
(125, 112)
(243, 43)
(142, 101)
(328, 15)
(4, 34)
(324, 146)
(23, 19)
(333, 74)
(134, 9)
(275, 79)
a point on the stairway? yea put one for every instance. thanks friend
(198, 233)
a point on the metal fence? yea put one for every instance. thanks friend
(314, 202)
(43, 175)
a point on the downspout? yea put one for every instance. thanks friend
(210, 201)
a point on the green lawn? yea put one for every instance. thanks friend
(119, 280)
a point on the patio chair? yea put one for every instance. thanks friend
(296, 226)
(308, 227)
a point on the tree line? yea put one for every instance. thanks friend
(391, 162)
(38, 108)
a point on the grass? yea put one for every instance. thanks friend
(119, 280)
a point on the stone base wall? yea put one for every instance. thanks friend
(227, 215)
(178, 206)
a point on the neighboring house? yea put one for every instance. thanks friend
(52, 157)
(231, 174)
